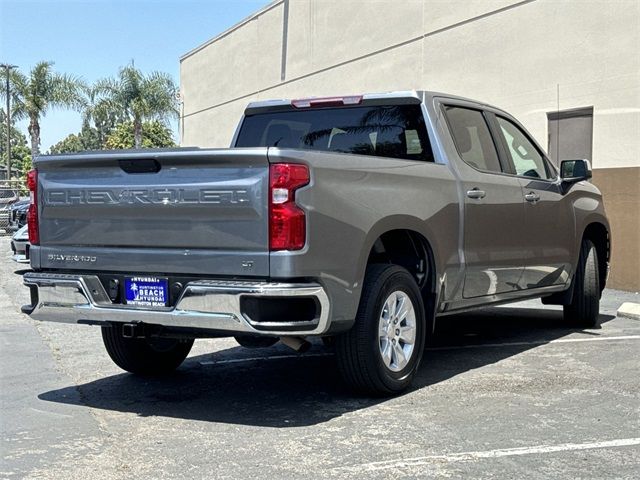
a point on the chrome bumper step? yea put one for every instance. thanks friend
(203, 304)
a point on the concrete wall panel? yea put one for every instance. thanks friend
(245, 60)
(215, 127)
(324, 33)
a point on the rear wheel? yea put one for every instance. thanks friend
(381, 353)
(145, 356)
(584, 309)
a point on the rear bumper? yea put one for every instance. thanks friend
(211, 305)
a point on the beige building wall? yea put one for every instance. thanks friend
(528, 57)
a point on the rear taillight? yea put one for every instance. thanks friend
(287, 223)
(32, 214)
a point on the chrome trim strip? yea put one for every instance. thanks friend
(204, 304)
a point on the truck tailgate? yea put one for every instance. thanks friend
(181, 211)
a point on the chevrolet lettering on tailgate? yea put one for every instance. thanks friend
(61, 197)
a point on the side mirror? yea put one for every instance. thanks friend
(572, 171)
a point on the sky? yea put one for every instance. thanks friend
(93, 38)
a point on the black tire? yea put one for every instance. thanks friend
(145, 356)
(584, 309)
(358, 350)
(256, 341)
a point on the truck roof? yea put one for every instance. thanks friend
(393, 97)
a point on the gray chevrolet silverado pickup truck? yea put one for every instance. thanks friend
(362, 219)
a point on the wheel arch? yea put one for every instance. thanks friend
(404, 241)
(409, 249)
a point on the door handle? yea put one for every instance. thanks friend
(476, 193)
(532, 197)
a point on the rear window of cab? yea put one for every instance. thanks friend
(394, 131)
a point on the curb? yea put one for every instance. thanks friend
(629, 310)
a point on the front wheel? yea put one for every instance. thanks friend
(584, 309)
(145, 356)
(381, 353)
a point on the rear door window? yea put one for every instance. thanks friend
(472, 138)
(395, 131)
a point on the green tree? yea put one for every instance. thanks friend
(39, 91)
(20, 154)
(103, 112)
(139, 97)
(87, 139)
(22, 164)
(154, 135)
(70, 144)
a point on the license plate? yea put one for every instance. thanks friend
(146, 291)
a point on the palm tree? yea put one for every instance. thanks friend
(103, 112)
(139, 97)
(43, 89)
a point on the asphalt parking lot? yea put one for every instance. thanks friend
(510, 392)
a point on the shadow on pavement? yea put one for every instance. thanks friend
(303, 391)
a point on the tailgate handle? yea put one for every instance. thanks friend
(140, 166)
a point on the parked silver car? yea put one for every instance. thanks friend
(20, 245)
